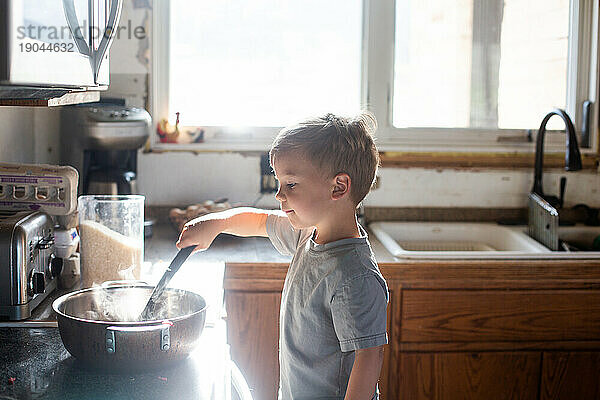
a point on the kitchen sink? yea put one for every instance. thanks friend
(466, 240)
(579, 238)
(455, 240)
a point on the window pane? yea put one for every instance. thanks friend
(264, 62)
(479, 64)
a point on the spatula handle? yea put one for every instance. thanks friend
(164, 281)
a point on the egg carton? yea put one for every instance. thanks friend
(179, 217)
(43, 187)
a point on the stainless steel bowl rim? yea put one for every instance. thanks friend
(56, 303)
(113, 197)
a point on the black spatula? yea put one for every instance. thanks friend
(179, 259)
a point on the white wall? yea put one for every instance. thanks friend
(16, 135)
(29, 135)
(185, 178)
(46, 128)
(417, 187)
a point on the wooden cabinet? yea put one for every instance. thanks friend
(494, 330)
(457, 329)
(570, 375)
(252, 333)
(499, 315)
(252, 298)
(449, 376)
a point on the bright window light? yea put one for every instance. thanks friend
(494, 64)
(264, 63)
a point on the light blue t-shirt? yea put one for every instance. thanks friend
(333, 302)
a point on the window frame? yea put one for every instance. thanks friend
(377, 80)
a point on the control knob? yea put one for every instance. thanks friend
(55, 265)
(37, 283)
(45, 243)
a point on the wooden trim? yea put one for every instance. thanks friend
(244, 285)
(442, 274)
(255, 277)
(498, 274)
(265, 270)
(478, 160)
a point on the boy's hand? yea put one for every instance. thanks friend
(241, 221)
(200, 232)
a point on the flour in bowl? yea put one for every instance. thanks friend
(107, 255)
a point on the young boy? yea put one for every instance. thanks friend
(333, 305)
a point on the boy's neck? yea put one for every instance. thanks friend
(345, 228)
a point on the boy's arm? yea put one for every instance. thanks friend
(242, 221)
(365, 373)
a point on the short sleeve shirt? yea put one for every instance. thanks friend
(333, 302)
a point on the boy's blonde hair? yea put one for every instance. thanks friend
(336, 145)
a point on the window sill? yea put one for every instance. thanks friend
(415, 156)
(213, 146)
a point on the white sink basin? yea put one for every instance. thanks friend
(455, 240)
(580, 236)
(465, 240)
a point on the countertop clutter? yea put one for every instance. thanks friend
(36, 365)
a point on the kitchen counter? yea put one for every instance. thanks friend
(160, 249)
(43, 369)
(233, 249)
(227, 248)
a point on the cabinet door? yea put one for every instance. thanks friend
(253, 334)
(570, 375)
(500, 315)
(450, 376)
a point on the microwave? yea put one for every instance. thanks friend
(51, 44)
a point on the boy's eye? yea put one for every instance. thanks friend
(290, 185)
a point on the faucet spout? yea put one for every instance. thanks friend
(572, 154)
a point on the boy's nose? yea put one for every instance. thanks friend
(278, 195)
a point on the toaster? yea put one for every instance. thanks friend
(28, 266)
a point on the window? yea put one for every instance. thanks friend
(459, 74)
(264, 63)
(479, 64)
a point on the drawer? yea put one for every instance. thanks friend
(499, 315)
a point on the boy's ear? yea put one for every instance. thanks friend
(341, 186)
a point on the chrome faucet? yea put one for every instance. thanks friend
(572, 157)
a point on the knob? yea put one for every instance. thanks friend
(37, 283)
(55, 265)
(45, 243)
